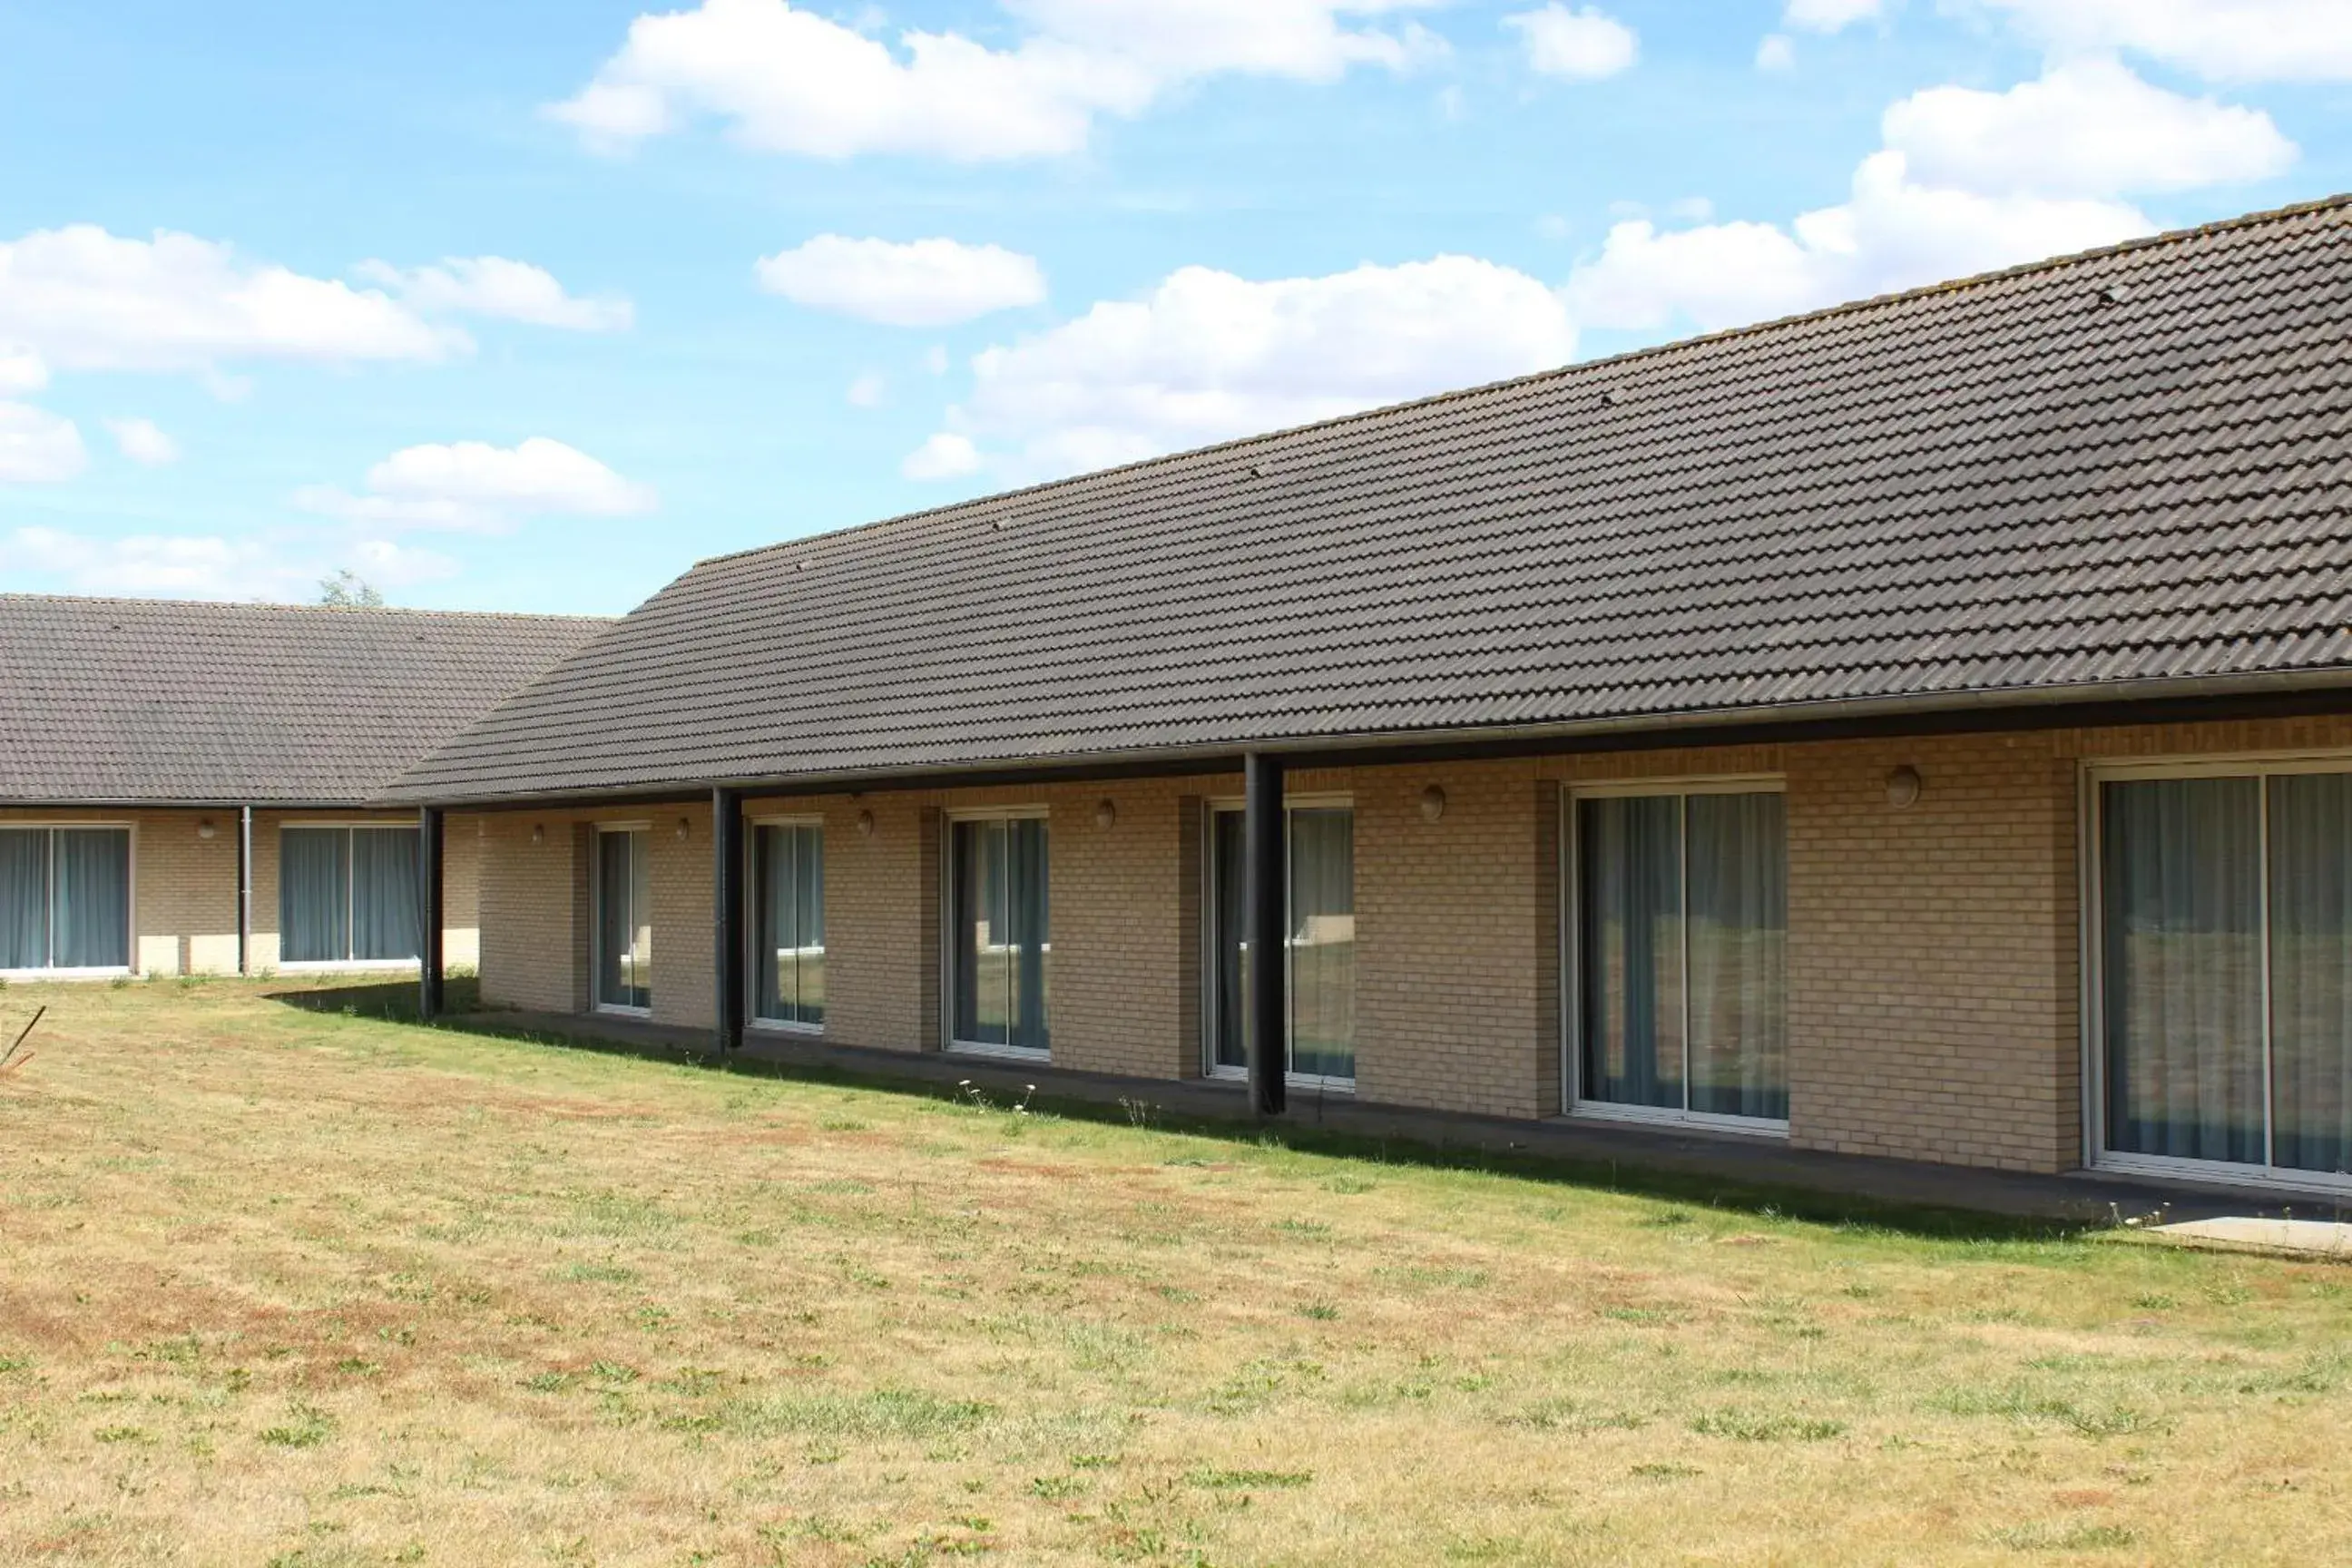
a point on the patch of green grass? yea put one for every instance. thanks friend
(305, 1426)
(1748, 1426)
(1217, 1480)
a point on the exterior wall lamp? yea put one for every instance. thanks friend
(1433, 803)
(1903, 787)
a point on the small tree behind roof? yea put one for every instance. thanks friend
(346, 590)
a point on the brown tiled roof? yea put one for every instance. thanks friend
(148, 701)
(2127, 470)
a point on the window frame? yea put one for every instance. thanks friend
(1571, 956)
(351, 899)
(52, 826)
(752, 1015)
(596, 915)
(951, 946)
(2093, 772)
(1211, 1069)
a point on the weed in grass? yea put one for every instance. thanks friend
(1750, 1427)
(596, 1274)
(305, 1426)
(1664, 1472)
(1321, 1312)
(2075, 1536)
(1247, 1480)
(124, 1435)
(1057, 1489)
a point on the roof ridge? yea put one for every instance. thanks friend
(1575, 367)
(266, 606)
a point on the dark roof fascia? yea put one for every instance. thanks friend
(2293, 694)
(93, 803)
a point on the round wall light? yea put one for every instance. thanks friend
(1903, 787)
(866, 824)
(538, 834)
(205, 829)
(1106, 813)
(1433, 803)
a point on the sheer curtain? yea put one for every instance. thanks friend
(24, 898)
(2311, 971)
(384, 887)
(1629, 866)
(789, 863)
(1227, 881)
(1003, 934)
(1322, 946)
(808, 860)
(1737, 846)
(1030, 933)
(624, 910)
(91, 925)
(313, 894)
(2182, 883)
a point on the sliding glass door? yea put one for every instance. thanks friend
(2224, 961)
(347, 894)
(1319, 947)
(64, 898)
(623, 921)
(1680, 923)
(788, 923)
(1000, 946)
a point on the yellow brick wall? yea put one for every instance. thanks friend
(1934, 986)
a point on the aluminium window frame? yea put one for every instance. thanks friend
(350, 898)
(51, 825)
(1212, 1071)
(951, 947)
(751, 1018)
(1571, 954)
(596, 913)
(2093, 772)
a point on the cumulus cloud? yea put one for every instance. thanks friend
(785, 79)
(923, 283)
(142, 442)
(495, 285)
(942, 455)
(2087, 128)
(81, 298)
(1207, 355)
(868, 390)
(1775, 52)
(2221, 40)
(210, 566)
(472, 486)
(38, 446)
(21, 370)
(1582, 45)
(1832, 16)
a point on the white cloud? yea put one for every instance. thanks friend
(21, 370)
(942, 455)
(1832, 16)
(38, 446)
(1208, 355)
(935, 359)
(788, 80)
(472, 486)
(1582, 45)
(2088, 126)
(142, 442)
(495, 285)
(82, 299)
(1777, 52)
(213, 567)
(2221, 40)
(868, 391)
(1892, 233)
(924, 283)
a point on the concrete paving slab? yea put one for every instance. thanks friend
(2253, 1233)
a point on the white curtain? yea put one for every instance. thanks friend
(623, 921)
(314, 895)
(1003, 933)
(788, 865)
(2182, 883)
(1629, 868)
(1322, 946)
(1736, 849)
(2311, 971)
(24, 898)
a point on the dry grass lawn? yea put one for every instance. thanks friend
(280, 1287)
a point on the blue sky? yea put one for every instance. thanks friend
(531, 305)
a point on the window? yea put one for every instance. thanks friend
(1000, 945)
(623, 921)
(2223, 967)
(1319, 946)
(788, 923)
(65, 897)
(1681, 929)
(347, 894)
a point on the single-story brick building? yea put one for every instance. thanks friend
(184, 788)
(1920, 728)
